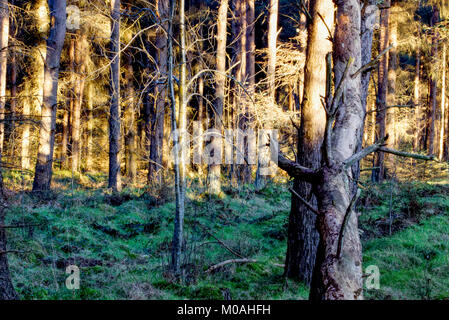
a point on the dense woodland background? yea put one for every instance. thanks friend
(92, 91)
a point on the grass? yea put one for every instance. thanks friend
(122, 242)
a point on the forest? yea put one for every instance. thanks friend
(224, 150)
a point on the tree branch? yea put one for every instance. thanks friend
(372, 63)
(406, 154)
(345, 222)
(364, 152)
(307, 204)
(295, 170)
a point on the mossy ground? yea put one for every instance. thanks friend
(122, 242)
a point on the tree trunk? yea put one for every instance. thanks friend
(130, 122)
(80, 68)
(417, 103)
(114, 116)
(155, 171)
(302, 234)
(220, 83)
(179, 139)
(391, 95)
(90, 127)
(4, 37)
(433, 87)
(7, 291)
(341, 277)
(379, 174)
(55, 42)
(272, 47)
(443, 107)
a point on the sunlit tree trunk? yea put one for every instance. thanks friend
(417, 103)
(220, 83)
(114, 181)
(340, 277)
(180, 127)
(272, 47)
(379, 174)
(90, 127)
(391, 95)
(155, 172)
(443, 107)
(55, 42)
(78, 85)
(4, 37)
(433, 87)
(130, 122)
(302, 234)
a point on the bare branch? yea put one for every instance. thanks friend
(345, 222)
(406, 154)
(372, 63)
(307, 204)
(295, 170)
(364, 152)
(221, 264)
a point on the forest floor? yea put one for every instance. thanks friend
(121, 243)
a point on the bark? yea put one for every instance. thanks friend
(272, 47)
(13, 79)
(55, 42)
(443, 107)
(25, 156)
(7, 291)
(379, 174)
(391, 95)
(302, 234)
(90, 127)
(340, 277)
(179, 139)
(433, 88)
(114, 114)
(80, 68)
(417, 103)
(130, 122)
(4, 37)
(155, 171)
(220, 83)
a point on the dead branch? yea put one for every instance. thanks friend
(205, 229)
(372, 63)
(307, 204)
(406, 154)
(221, 264)
(364, 152)
(294, 169)
(345, 222)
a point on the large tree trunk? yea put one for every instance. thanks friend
(79, 77)
(379, 174)
(155, 172)
(179, 139)
(391, 95)
(417, 103)
(220, 83)
(130, 122)
(7, 291)
(302, 234)
(340, 277)
(90, 127)
(4, 37)
(433, 87)
(114, 181)
(55, 42)
(272, 47)
(443, 107)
